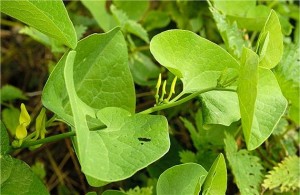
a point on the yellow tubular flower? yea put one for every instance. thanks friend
(24, 121)
(21, 131)
(24, 116)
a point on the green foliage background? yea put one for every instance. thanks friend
(95, 66)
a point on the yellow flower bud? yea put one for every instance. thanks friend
(21, 131)
(40, 123)
(24, 116)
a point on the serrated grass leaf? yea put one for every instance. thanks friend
(288, 76)
(245, 168)
(284, 176)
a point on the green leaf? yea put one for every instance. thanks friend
(10, 117)
(274, 47)
(136, 29)
(4, 141)
(186, 14)
(253, 20)
(187, 156)
(231, 35)
(156, 19)
(140, 191)
(284, 176)
(247, 90)
(194, 133)
(181, 179)
(195, 60)
(235, 8)
(220, 107)
(269, 97)
(101, 75)
(129, 26)
(286, 26)
(49, 17)
(39, 169)
(56, 46)
(92, 193)
(36, 35)
(245, 168)
(80, 30)
(261, 101)
(139, 140)
(113, 192)
(9, 92)
(135, 10)
(99, 12)
(216, 179)
(207, 135)
(17, 178)
(287, 74)
(144, 71)
(127, 144)
(281, 127)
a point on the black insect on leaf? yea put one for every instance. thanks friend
(144, 139)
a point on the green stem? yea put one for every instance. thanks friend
(51, 120)
(230, 81)
(183, 100)
(177, 97)
(253, 36)
(141, 48)
(9, 23)
(47, 139)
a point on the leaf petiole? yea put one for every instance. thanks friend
(183, 100)
(46, 140)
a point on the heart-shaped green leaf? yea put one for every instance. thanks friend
(245, 167)
(181, 180)
(49, 17)
(127, 144)
(101, 75)
(195, 60)
(261, 101)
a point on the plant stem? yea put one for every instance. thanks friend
(47, 139)
(50, 121)
(177, 97)
(9, 23)
(253, 36)
(141, 48)
(185, 99)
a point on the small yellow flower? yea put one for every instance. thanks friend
(21, 131)
(24, 121)
(24, 116)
